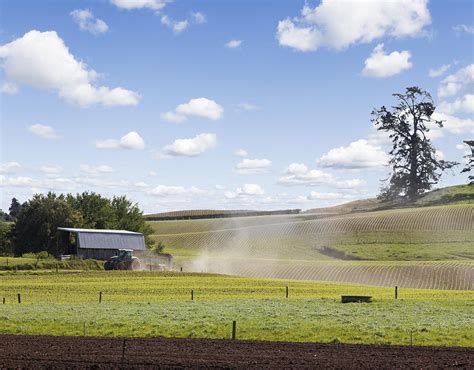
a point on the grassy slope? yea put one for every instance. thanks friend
(154, 304)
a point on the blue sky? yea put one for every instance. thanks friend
(213, 104)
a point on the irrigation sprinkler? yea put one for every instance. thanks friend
(234, 329)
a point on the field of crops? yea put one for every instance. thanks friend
(159, 304)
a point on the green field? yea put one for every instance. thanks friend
(159, 304)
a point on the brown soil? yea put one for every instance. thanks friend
(19, 351)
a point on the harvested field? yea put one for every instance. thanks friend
(82, 352)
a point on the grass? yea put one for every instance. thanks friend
(158, 304)
(25, 263)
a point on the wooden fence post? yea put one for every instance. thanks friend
(396, 292)
(3, 300)
(234, 329)
(287, 292)
(100, 297)
(19, 298)
(192, 295)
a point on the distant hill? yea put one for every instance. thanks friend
(197, 214)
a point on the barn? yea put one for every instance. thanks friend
(97, 243)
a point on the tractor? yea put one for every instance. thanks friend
(124, 260)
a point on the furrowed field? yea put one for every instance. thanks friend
(159, 304)
(424, 247)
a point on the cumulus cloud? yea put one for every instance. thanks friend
(464, 104)
(198, 17)
(43, 131)
(380, 65)
(441, 70)
(9, 88)
(363, 22)
(463, 28)
(299, 174)
(251, 166)
(96, 170)
(176, 26)
(451, 124)
(191, 147)
(52, 170)
(164, 191)
(199, 107)
(314, 195)
(132, 140)
(241, 153)
(20, 181)
(457, 82)
(9, 167)
(233, 44)
(245, 191)
(87, 22)
(359, 154)
(140, 4)
(42, 60)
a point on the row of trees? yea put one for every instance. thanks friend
(415, 166)
(34, 228)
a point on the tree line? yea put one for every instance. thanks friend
(35, 222)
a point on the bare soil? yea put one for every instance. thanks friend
(20, 351)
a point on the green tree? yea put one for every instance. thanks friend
(35, 229)
(4, 216)
(415, 167)
(128, 216)
(470, 161)
(6, 239)
(96, 210)
(15, 208)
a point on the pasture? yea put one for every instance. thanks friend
(159, 304)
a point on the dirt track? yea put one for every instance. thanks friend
(86, 352)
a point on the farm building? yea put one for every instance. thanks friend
(99, 244)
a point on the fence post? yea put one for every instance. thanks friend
(181, 268)
(411, 337)
(396, 292)
(234, 329)
(192, 295)
(287, 292)
(100, 297)
(19, 298)
(123, 351)
(3, 300)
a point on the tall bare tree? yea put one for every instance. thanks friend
(415, 166)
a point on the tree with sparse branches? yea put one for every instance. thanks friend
(415, 166)
(470, 161)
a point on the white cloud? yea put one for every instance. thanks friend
(42, 60)
(464, 104)
(457, 82)
(132, 140)
(51, 170)
(341, 23)
(198, 107)
(191, 147)
(241, 153)
(436, 72)
(176, 26)
(9, 167)
(96, 170)
(245, 191)
(250, 166)
(350, 184)
(247, 106)
(460, 28)
(198, 17)
(380, 65)
(43, 131)
(9, 88)
(19, 181)
(233, 44)
(299, 174)
(359, 154)
(140, 4)
(87, 22)
(314, 195)
(164, 191)
(451, 124)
